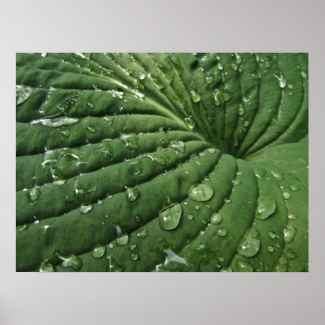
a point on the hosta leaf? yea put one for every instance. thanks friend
(162, 162)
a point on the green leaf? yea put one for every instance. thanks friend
(162, 162)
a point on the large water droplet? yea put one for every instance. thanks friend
(216, 218)
(289, 233)
(170, 216)
(57, 177)
(130, 141)
(265, 206)
(281, 80)
(195, 97)
(190, 122)
(34, 193)
(251, 244)
(222, 232)
(23, 93)
(286, 195)
(98, 251)
(132, 194)
(46, 266)
(85, 208)
(143, 233)
(55, 122)
(200, 192)
(134, 256)
(244, 266)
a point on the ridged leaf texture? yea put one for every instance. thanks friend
(162, 162)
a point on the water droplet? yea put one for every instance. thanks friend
(221, 259)
(24, 227)
(71, 261)
(189, 217)
(200, 192)
(292, 216)
(281, 80)
(98, 251)
(234, 66)
(143, 234)
(265, 206)
(85, 208)
(278, 176)
(170, 216)
(187, 172)
(211, 150)
(222, 232)
(65, 133)
(195, 97)
(190, 122)
(134, 256)
(138, 93)
(141, 75)
(294, 188)
(34, 193)
(246, 123)
(156, 159)
(220, 66)
(137, 218)
(100, 202)
(204, 222)
(196, 207)
(198, 163)
(304, 74)
(157, 81)
(289, 233)
(133, 247)
(244, 266)
(106, 148)
(226, 269)
(57, 177)
(23, 93)
(55, 122)
(272, 234)
(110, 245)
(130, 141)
(290, 86)
(270, 249)
(178, 146)
(46, 266)
(113, 266)
(286, 195)
(91, 129)
(227, 200)
(241, 110)
(132, 194)
(216, 218)
(209, 78)
(251, 243)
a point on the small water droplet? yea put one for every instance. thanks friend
(91, 129)
(187, 172)
(34, 193)
(55, 122)
(250, 245)
(200, 192)
(226, 269)
(216, 218)
(211, 150)
(241, 110)
(143, 233)
(178, 146)
(141, 75)
(222, 232)
(190, 122)
(137, 218)
(133, 247)
(265, 206)
(85, 208)
(290, 86)
(294, 188)
(46, 266)
(220, 66)
(270, 249)
(227, 200)
(244, 266)
(221, 259)
(130, 141)
(110, 245)
(134, 256)
(292, 216)
(71, 261)
(24, 227)
(113, 266)
(132, 194)
(246, 123)
(198, 163)
(170, 216)
(286, 195)
(234, 66)
(195, 96)
(289, 233)
(209, 78)
(65, 133)
(281, 80)
(98, 251)
(23, 93)
(278, 176)
(272, 234)
(189, 217)
(196, 207)
(57, 177)
(304, 74)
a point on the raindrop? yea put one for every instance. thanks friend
(110, 245)
(272, 234)
(222, 232)
(198, 163)
(24, 227)
(23, 93)
(234, 66)
(141, 75)
(281, 80)
(290, 86)
(244, 266)
(85, 208)
(270, 249)
(289, 233)
(211, 150)
(292, 216)
(196, 207)
(189, 217)
(251, 243)
(170, 216)
(71, 261)
(130, 141)
(216, 218)
(91, 129)
(65, 133)
(221, 259)
(134, 256)
(46, 266)
(106, 148)
(113, 266)
(137, 218)
(278, 176)
(143, 234)
(100, 202)
(200, 192)
(34, 193)
(187, 172)
(226, 269)
(157, 81)
(246, 123)
(220, 66)
(133, 247)
(178, 146)
(195, 97)
(286, 195)
(98, 251)
(57, 177)
(227, 200)
(241, 110)
(132, 194)
(55, 122)
(209, 78)
(265, 206)
(304, 74)
(190, 122)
